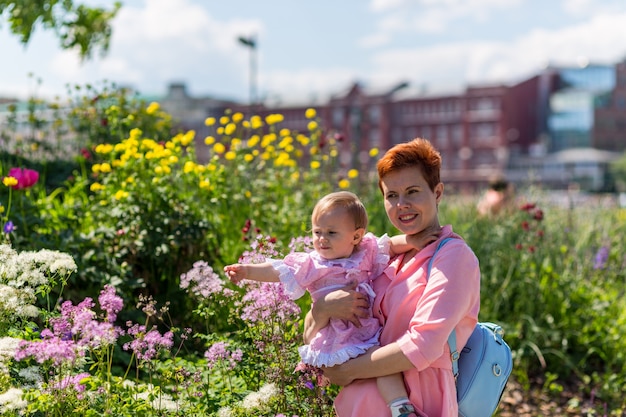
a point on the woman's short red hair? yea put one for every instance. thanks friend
(415, 153)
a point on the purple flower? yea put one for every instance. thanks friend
(218, 352)
(9, 227)
(73, 382)
(268, 300)
(146, 344)
(202, 281)
(601, 258)
(110, 303)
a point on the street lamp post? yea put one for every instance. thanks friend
(251, 43)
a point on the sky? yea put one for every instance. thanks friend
(309, 50)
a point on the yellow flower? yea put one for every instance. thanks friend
(204, 184)
(256, 122)
(135, 133)
(95, 168)
(104, 148)
(272, 119)
(295, 176)
(209, 140)
(312, 125)
(237, 117)
(105, 167)
(373, 152)
(219, 148)
(310, 113)
(344, 183)
(284, 132)
(9, 181)
(224, 120)
(304, 141)
(209, 121)
(96, 186)
(230, 155)
(152, 108)
(121, 194)
(187, 138)
(158, 170)
(353, 173)
(248, 194)
(1, 209)
(285, 142)
(220, 130)
(248, 157)
(189, 167)
(315, 164)
(130, 180)
(253, 141)
(230, 129)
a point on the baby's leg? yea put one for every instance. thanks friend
(393, 391)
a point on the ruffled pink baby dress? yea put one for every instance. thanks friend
(340, 340)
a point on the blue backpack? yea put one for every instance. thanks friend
(482, 368)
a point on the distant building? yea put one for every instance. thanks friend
(572, 106)
(609, 129)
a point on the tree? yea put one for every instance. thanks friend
(77, 26)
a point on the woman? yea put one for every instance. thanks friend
(417, 312)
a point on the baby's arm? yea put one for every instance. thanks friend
(404, 243)
(263, 272)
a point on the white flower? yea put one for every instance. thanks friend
(260, 397)
(225, 412)
(12, 400)
(8, 346)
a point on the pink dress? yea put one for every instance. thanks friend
(300, 272)
(419, 315)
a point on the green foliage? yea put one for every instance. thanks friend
(76, 25)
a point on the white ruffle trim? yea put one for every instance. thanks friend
(286, 276)
(319, 359)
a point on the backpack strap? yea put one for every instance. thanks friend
(454, 354)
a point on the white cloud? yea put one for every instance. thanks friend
(584, 8)
(599, 40)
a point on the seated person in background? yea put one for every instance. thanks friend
(498, 196)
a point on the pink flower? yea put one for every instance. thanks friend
(25, 177)
(110, 303)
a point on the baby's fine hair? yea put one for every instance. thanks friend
(349, 201)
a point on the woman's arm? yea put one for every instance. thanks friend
(344, 304)
(378, 361)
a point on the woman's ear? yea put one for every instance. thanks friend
(438, 192)
(358, 235)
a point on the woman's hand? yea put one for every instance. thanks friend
(344, 304)
(339, 374)
(423, 238)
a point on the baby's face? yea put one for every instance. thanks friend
(334, 234)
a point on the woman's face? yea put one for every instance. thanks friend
(409, 202)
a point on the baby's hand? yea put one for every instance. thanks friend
(422, 239)
(236, 272)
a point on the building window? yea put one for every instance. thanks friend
(338, 118)
(375, 138)
(457, 135)
(442, 136)
(375, 113)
